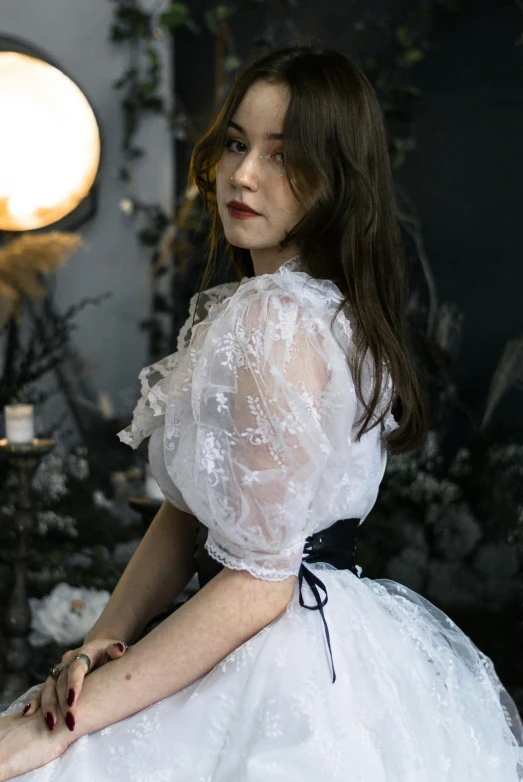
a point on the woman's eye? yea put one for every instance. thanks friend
(230, 141)
(229, 146)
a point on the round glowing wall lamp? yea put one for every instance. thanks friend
(49, 144)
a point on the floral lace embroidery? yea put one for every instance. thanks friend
(414, 700)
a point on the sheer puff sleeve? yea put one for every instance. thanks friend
(166, 382)
(266, 422)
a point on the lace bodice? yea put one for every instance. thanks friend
(252, 420)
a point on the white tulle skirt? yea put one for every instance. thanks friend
(414, 701)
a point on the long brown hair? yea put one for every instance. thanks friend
(338, 167)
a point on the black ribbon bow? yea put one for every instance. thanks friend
(337, 546)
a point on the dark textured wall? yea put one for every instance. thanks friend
(466, 177)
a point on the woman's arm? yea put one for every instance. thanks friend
(159, 570)
(225, 613)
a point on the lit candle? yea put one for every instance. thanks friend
(152, 490)
(19, 424)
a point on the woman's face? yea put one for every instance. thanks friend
(259, 183)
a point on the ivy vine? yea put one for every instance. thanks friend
(141, 95)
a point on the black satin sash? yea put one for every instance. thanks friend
(335, 545)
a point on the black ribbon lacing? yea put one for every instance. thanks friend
(335, 545)
(314, 582)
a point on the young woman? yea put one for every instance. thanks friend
(269, 429)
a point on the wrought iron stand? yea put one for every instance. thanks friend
(15, 676)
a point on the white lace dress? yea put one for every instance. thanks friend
(251, 426)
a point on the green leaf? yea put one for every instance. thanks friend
(117, 34)
(519, 41)
(154, 57)
(415, 55)
(410, 57)
(397, 159)
(151, 102)
(129, 103)
(133, 153)
(224, 11)
(359, 26)
(177, 15)
(231, 63)
(370, 64)
(403, 36)
(410, 89)
(193, 27)
(217, 15)
(129, 75)
(209, 18)
(132, 22)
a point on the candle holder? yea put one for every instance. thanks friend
(15, 676)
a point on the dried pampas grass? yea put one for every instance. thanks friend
(24, 259)
(508, 373)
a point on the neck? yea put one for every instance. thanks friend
(270, 266)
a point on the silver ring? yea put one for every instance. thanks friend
(56, 670)
(86, 659)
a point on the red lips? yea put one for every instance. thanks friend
(241, 207)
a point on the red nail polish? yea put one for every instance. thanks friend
(26, 708)
(69, 720)
(50, 720)
(119, 645)
(70, 697)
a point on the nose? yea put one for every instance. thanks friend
(247, 173)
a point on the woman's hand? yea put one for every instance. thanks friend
(58, 696)
(26, 744)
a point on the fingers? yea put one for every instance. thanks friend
(59, 697)
(116, 650)
(68, 688)
(33, 704)
(68, 657)
(49, 700)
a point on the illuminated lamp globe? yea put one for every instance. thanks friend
(49, 143)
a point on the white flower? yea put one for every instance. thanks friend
(101, 501)
(48, 519)
(65, 615)
(50, 479)
(78, 466)
(456, 532)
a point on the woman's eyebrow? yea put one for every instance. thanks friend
(269, 136)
